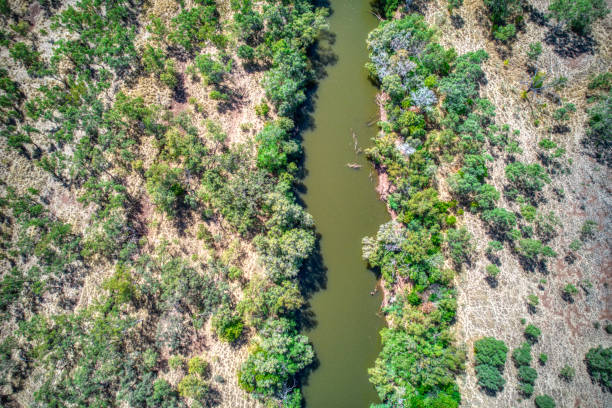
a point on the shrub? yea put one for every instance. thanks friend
(532, 333)
(598, 133)
(500, 220)
(492, 271)
(533, 250)
(599, 365)
(543, 358)
(522, 355)
(587, 231)
(567, 373)
(535, 49)
(569, 291)
(544, 401)
(526, 389)
(197, 365)
(489, 378)
(528, 178)
(490, 351)
(246, 52)
(275, 146)
(194, 387)
(527, 374)
(227, 325)
(460, 244)
(578, 15)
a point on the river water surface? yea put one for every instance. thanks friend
(345, 206)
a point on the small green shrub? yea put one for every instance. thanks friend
(599, 365)
(522, 355)
(535, 49)
(532, 333)
(567, 373)
(544, 401)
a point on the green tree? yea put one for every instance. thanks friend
(544, 401)
(578, 15)
(490, 351)
(599, 365)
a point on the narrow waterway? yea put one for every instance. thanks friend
(345, 207)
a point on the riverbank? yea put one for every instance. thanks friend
(445, 158)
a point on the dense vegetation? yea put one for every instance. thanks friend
(113, 154)
(435, 120)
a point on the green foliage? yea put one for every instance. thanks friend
(492, 271)
(191, 28)
(587, 231)
(569, 291)
(165, 187)
(279, 354)
(578, 15)
(567, 373)
(421, 369)
(227, 325)
(601, 81)
(563, 113)
(460, 245)
(212, 70)
(543, 358)
(194, 387)
(246, 52)
(197, 365)
(527, 178)
(544, 401)
(490, 351)
(522, 355)
(527, 374)
(505, 33)
(499, 220)
(490, 378)
(533, 250)
(535, 49)
(276, 147)
(599, 365)
(532, 333)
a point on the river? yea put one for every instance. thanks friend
(345, 206)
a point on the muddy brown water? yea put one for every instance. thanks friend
(345, 206)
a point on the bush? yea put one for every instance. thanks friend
(578, 15)
(500, 220)
(490, 355)
(279, 354)
(275, 146)
(569, 291)
(526, 389)
(535, 49)
(543, 358)
(567, 373)
(544, 401)
(527, 374)
(522, 355)
(460, 244)
(227, 325)
(490, 351)
(492, 271)
(197, 365)
(246, 52)
(532, 333)
(528, 178)
(489, 378)
(194, 387)
(599, 365)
